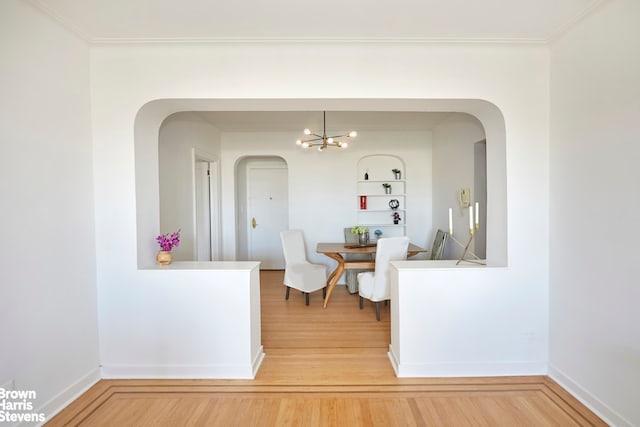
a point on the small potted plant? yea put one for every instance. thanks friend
(362, 232)
(396, 173)
(167, 242)
(396, 217)
(387, 188)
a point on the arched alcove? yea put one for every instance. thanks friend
(378, 186)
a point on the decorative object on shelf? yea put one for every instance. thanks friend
(363, 234)
(366, 175)
(363, 203)
(394, 204)
(474, 225)
(164, 257)
(378, 233)
(387, 188)
(167, 242)
(396, 217)
(396, 173)
(323, 141)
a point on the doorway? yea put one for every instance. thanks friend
(263, 210)
(480, 191)
(206, 208)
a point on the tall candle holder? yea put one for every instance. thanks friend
(476, 259)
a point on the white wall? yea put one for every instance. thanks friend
(595, 123)
(49, 333)
(185, 320)
(322, 186)
(180, 135)
(453, 169)
(126, 78)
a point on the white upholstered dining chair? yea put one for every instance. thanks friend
(375, 286)
(299, 273)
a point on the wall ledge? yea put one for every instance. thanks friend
(449, 264)
(206, 265)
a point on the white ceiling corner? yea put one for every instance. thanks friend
(330, 20)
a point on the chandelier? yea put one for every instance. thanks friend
(323, 141)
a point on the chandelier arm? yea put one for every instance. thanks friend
(319, 138)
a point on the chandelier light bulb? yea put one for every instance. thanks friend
(329, 140)
(305, 144)
(307, 132)
(343, 145)
(298, 142)
(353, 134)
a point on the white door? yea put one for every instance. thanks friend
(207, 210)
(203, 211)
(267, 214)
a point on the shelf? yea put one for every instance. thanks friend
(378, 181)
(380, 210)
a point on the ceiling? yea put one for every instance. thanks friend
(327, 20)
(108, 21)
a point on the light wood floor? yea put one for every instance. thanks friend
(326, 367)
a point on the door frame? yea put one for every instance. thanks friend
(214, 202)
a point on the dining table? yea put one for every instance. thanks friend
(335, 251)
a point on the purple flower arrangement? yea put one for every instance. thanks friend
(169, 241)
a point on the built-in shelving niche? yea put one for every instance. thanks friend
(374, 171)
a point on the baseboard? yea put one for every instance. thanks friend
(257, 361)
(394, 360)
(603, 411)
(68, 395)
(466, 369)
(220, 372)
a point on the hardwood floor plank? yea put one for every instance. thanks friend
(326, 367)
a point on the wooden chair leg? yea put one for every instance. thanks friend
(306, 298)
(378, 311)
(286, 295)
(361, 303)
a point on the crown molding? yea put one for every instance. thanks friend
(83, 34)
(313, 40)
